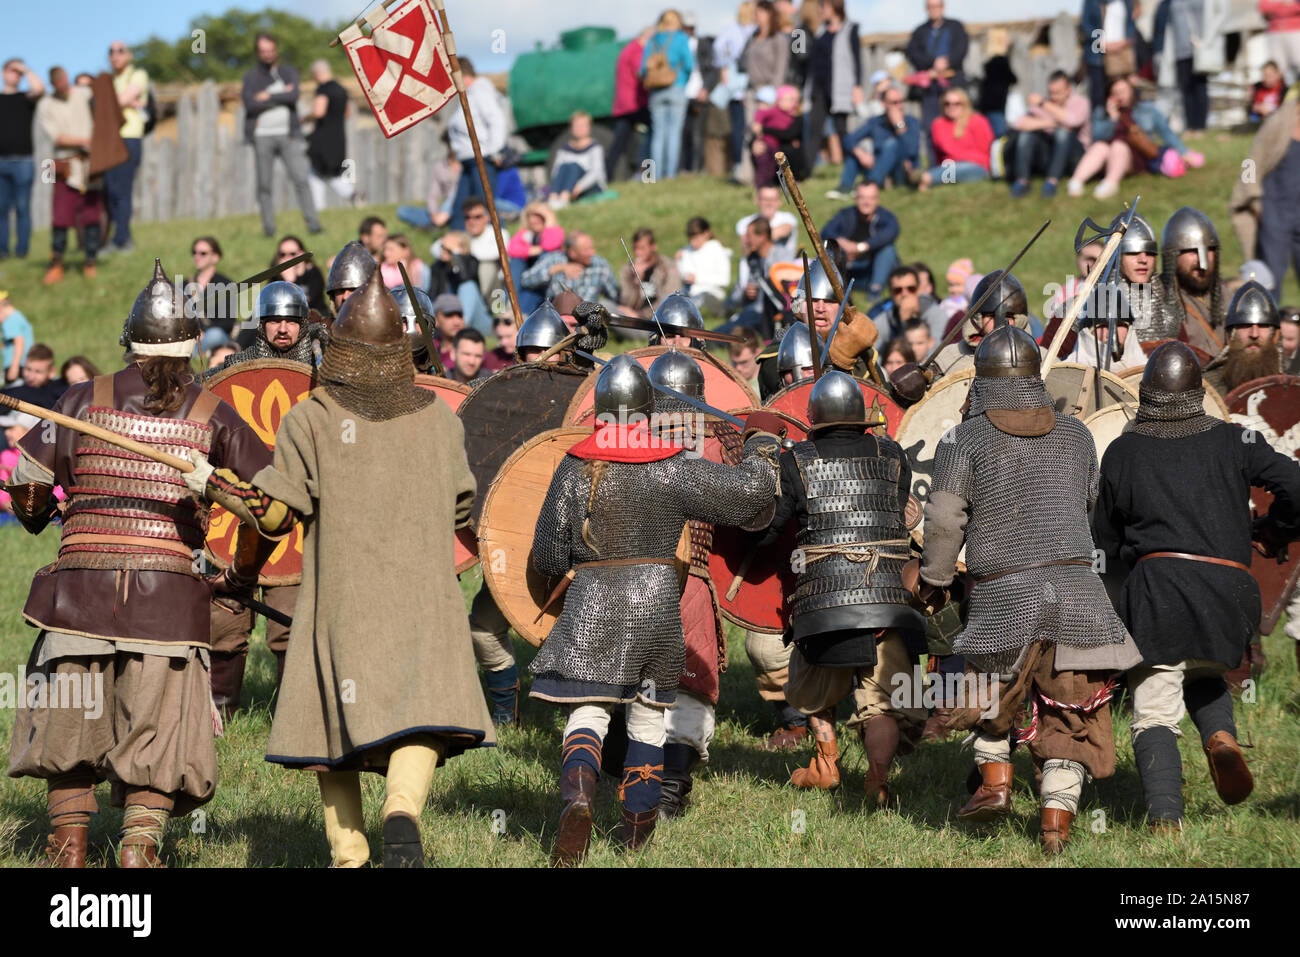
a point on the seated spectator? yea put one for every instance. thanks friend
(575, 267)
(754, 302)
(895, 355)
(919, 337)
(454, 271)
(306, 275)
(925, 279)
(511, 197)
(467, 357)
(542, 233)
(659, 276)
(705, 266)
(436, 211)
(957, 274)
(962, 139)
(866, 233)
(78, 369)
(887, 146)
(1122, 143)
(579, 168)
(448, 321)
(397, 249)
(907, 302)
(1288, 338)
(782, 222)
(744, 356)
(210, 294)
(39, 386)
(503, 327)
(17, 332)
(778, 128)
(1267, 95)
(219, 355)
(1051, 137)
(483, 247)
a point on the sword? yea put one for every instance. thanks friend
(688, 399)
(812, 335)
(434, 359)
(826, 349)
(651, 325)
(276, 269)
(263, 609)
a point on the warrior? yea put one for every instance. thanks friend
(284, 332)
(1252, 325)
(379, 673)
(1192, 303)
(540, 331)
(1092, 343)
(123, 611)
(794, 358)
(677, 315)
(419, 352)
(611, 520)
(1190, 601)
(1139, 286)
(1006, 304)
(1014, 483)
(348, 273)
(852, 628)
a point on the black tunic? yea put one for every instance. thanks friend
(1189, 495)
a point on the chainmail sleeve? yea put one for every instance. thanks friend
(552, 539)
(1094, 478)
(730, 494)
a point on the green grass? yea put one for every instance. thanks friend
(744, 809)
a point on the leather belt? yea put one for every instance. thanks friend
(1024, 568)
(1188, 556)
(93, 538)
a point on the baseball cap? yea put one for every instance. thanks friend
(448, 304)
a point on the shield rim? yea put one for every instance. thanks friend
(794, 386)
(435, 384)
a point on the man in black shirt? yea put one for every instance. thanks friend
(17, 166)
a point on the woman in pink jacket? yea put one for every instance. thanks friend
(542, 233)
(962, 139)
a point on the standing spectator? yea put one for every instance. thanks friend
(835, 77)
(17, 163)
(542, 233)
(753, 299)
(630, 101)
(78, 369)
(665, 68)
(1283, 19)
(397, 249)
(1277, 148)
(1266, 95)
(17, 333)
(659, 276)
(1109, 38)
(997, 81)
(579, 167)
(209, 293)
(327, 145)
(779, 128)
(727, 51)
(78, 200)
(1180, 28)
(783, 225)
(490, 124)
(961, 139)
(697, 95)
(705, 266)
(887, 146)
(1055, 129)
(766, 57)
(744, 356)
(271, 125)
(306, 275)
(575, 267)
(467, 350)
(936, 50)
(132, 86)
(866, 233)
(503, 327)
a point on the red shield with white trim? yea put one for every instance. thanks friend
(402, 66)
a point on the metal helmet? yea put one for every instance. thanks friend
(157, 324)
(282, 299)
(1140, 238)
(542, 329)
(836, 399)
(352, 267)
(370, 316)
(821, 286)
(1253, 305)
(676, 370)
(1190, 228)
(679, 312)
(1172, 367)
(1007, 351)
(408, 311)
(623, 388)
(1007, 300)
(795, 352)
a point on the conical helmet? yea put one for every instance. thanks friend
(836, 399)
(542, 329)
(1253, 305)
(678, 313)
(282, 300)
(352, 267)
(1189, 228)
(623, 388)
(1007, 351)
(158, 325)
(676, 370)
(370, 316)
(408, 311)
(821, 285)
(1172, 367)
(1140, 237)
(1003, 302)
(795, 352)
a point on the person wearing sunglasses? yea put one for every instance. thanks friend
(211, 294)
(962, 139)
(887, 146)
(306, 275)
(17, 155)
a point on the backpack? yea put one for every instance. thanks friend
(658, 74)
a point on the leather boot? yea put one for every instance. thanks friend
(66, 847)
(936, 726)
(1056, 830)
(638, 826)
(675, 797)
(1232, 779)
(227, 681)
(53, 274)
(578, 791)
(824, 771)
(402, 846)
(142, 854)
(785, 739)
(1163, 827)
(880, 736)
(993, 798)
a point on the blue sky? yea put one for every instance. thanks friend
(80, 35)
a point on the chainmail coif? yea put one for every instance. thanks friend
(1172, 415)
(375, 382)
(1009, 392)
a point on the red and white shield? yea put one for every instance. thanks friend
(402, 66)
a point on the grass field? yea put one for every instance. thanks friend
(497, 807)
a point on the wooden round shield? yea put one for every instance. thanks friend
(507, 409)
(723, 387)
(1107, 424)
(924, 424)
(1271, 408)
(261, 391)
(793, 400)
(452, 392)
(506, 527)
(1080, 390)
(1214, 404)
(752, 584)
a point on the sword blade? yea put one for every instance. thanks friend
(651, 325)
(263, 609)
(276, 269)
(688, 399)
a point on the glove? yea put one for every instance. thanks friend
(197, 480)
(1255, 655)
(909, 381)
(226, 584)
(592, 316)
(1269, 540)
(764, 421)
(855, 336)
(929, 599)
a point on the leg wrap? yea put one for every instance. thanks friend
(410, 775)
(990, 749)
(345, 825)
(584, 736)
(1210, 704)
(503, 694)
(1160, 768)
(643, 776)
(143, 826)
(71, 799)
(1063, 784)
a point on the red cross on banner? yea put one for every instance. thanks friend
(402, 65)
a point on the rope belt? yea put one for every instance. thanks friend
(1024, 568)
(1098, 699)
(1188, 556)
(859, 552)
